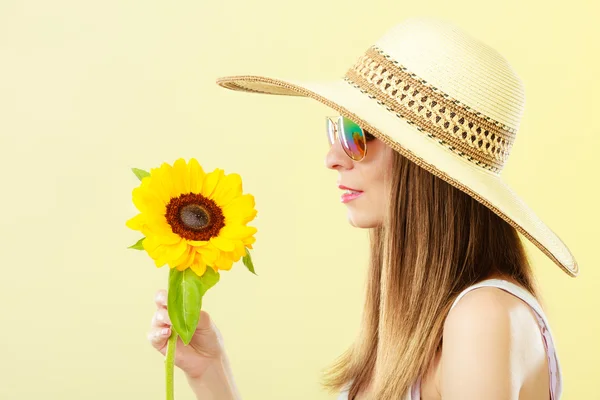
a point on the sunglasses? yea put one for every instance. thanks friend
(352, 137)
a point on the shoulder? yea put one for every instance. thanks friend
(484, 335)
(483, 308)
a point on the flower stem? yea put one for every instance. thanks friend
(169, 363)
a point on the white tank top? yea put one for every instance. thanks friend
(554, 370)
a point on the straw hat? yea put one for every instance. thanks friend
(444, 100)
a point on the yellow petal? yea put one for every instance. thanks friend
(181, 178)
(237, 231)
(155, 186)
(191, 253)
(177, 250)
(239, 217)
(136, 223)
(167, 177)
(208, 254)
(222, 244)
(186, 259)
(159, 226)
(210, 182)
(199, 268)
(245, 201)
(227, 189)
(157, 209)
(196, 176)
(166, 254)
(240, 250)
(170, 239)
(161, 256)
(248, 241)
(162, 182)
(144, 198)
(224, 262)
(240, 210)
(198, 243)
(153, 243)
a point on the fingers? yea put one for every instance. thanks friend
(158, 338)
(160, 298)
(160, 327)
(160, 319)
(205, 323)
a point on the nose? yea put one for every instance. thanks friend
(336, 158)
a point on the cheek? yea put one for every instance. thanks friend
(376, 186)
(377, 169)
(382, 163)
(381, 172)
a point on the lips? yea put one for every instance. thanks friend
(348, 188)
(350, 193)
(349, 196)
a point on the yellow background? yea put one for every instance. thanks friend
(90, 89)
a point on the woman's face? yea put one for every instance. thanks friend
(367, 209)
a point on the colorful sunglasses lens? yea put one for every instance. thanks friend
(352, 138)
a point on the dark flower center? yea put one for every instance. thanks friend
(194, 217)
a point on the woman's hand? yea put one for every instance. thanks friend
(204, 350)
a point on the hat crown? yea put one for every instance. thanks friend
(459, 65)
(456, 90)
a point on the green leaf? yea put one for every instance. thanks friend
(138, 245)
(184, 300)
(247, 260)
(210, 278)
(140, 173)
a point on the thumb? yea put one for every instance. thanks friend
(207, 327)
(205, 322)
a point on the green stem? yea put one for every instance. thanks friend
(169, 363)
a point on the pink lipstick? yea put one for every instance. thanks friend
(346, 197)
(350, 194)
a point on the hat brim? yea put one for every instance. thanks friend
(485, 186)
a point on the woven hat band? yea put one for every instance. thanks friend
(465, 131)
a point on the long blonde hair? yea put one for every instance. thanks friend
(434, 242)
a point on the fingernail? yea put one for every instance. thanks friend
(164, 331)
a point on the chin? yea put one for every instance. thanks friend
(361, 221)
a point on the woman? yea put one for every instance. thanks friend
(428, 118)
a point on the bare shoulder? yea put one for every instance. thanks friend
(489, 339)
(485, 304)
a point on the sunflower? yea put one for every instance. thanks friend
(192, 219)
